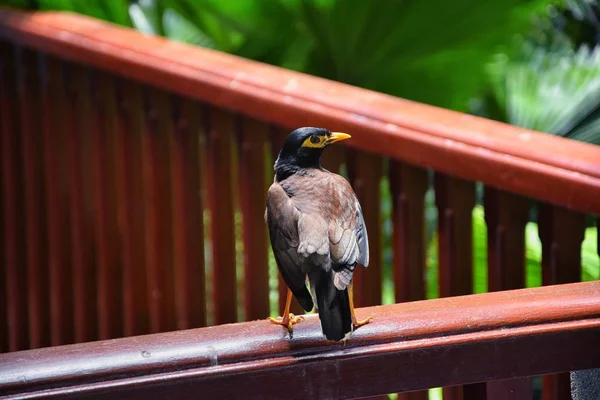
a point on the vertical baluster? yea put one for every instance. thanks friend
(188, 226)
(157, 200)
(408, 186)
(130, 204)
(220, 200)
(334, 157)
(506, 215)
(455, 199)
(57, 206)
(509, 389)
(16, 325)
(365, 171)
(4, 104)
(35, 220)
(109, 278)
(79, 124)
(561, 232)
(253, 197)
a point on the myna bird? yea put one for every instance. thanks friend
(317, 232)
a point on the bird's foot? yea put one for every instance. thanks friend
(358, 323)
(288, 321)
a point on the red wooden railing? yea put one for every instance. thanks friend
(408, 346)
(122, 154)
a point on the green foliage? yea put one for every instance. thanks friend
(150, 17)
(480, 276)
(590, 260)
(578, 21)
(115, 11)
(533, 256)
(552, 84)
(549, 90)
(18, 3)
(396, 47)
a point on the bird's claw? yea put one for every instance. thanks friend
(288, 321)
(358, 323)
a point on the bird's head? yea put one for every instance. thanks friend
(303, 148)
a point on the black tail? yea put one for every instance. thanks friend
(333, 304)
(304, 298)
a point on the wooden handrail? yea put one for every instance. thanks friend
(549, 168)
(427, 343)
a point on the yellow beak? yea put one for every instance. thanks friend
(337, 136)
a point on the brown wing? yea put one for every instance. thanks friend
(349, 242)
(282, 220)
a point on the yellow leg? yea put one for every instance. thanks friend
(288, 320)
(356, 322)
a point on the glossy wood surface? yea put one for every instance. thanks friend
(553, 328)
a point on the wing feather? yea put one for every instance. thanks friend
(282, 220)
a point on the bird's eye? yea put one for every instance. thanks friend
(315, 139)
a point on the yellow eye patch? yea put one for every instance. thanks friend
(315, 141)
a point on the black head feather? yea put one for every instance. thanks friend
(293, 157)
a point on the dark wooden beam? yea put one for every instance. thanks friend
(408, 346)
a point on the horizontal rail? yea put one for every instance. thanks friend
(553, 169)
(428, 343)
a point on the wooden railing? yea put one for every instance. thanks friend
(444, 341)
(123, 154)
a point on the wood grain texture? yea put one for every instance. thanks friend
(32, 159)
(83, 251)
(158, 210)
(188, 226)
(54, 117)
(506, 215)
(4, 103)
(555, 328)
(455, 199)
(510, 389)
(561, 232)
(561, 171)
(130, 188)
(15, 321)
(408, 185)
(364, 173)
(220, 134)
(253, 188)
(109, 276)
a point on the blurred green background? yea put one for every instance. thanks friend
(531, 63)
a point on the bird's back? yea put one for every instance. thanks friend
(317, 231)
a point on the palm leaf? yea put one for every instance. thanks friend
(551, 91)
(146, 17)
(429, 51)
